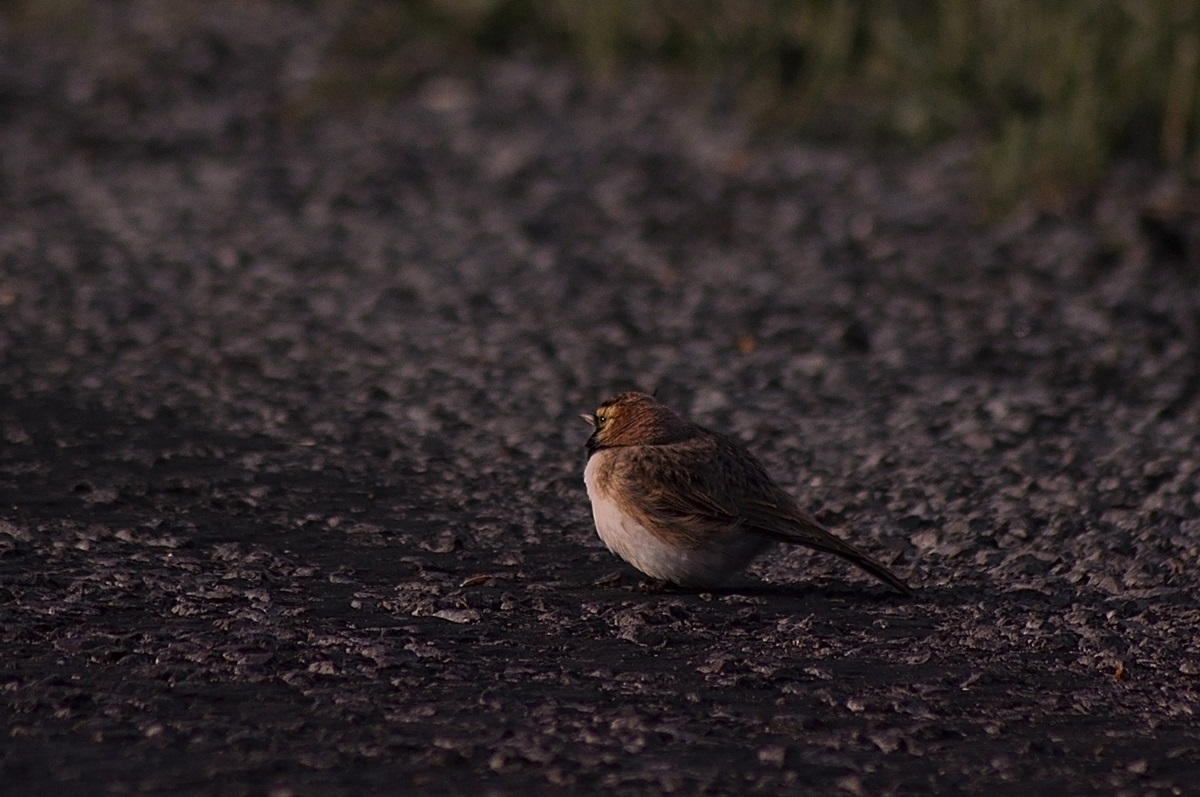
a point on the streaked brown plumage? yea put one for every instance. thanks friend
(686, 505)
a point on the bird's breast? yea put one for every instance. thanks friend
(619, 530)
(660, 554)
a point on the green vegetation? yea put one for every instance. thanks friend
(1053, 89)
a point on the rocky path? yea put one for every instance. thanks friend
(291, 492)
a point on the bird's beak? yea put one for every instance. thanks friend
(590, 419)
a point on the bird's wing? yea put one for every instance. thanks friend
(714, 486)
(673, 491)
(711, 483)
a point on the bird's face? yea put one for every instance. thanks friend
(629, 419)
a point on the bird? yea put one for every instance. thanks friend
(689, 506)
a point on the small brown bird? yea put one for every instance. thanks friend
(684, 504)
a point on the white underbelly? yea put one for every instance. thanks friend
(678, 563)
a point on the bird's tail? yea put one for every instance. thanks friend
(857, 557)
(819, 538)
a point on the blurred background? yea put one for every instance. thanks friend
(770, 174)
(1050, 93)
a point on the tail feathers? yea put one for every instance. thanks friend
(857, 557)
(817, 538)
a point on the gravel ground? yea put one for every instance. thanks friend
(291, 493)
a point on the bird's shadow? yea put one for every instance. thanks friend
(829, 591)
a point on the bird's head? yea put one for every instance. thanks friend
(634, 419)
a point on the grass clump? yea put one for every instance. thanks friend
(1053, 89)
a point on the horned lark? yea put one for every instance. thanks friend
(689, 506)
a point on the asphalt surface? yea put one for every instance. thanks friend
(291, 494)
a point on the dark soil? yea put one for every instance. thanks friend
(291, 492)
